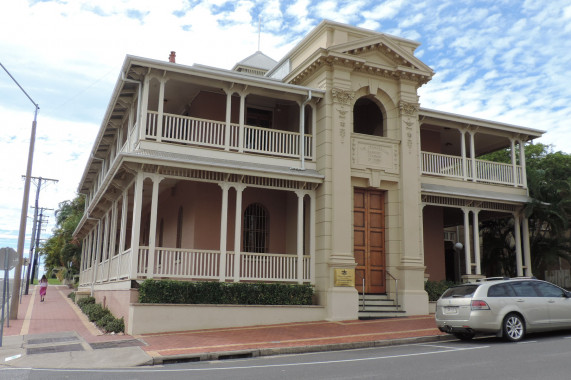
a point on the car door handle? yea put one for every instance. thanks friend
(520, 300)
(551, 301)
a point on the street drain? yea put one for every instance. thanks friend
(117, 344)
(54, 349)
(52, 340)
(236, 356)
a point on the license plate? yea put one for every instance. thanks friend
(450, 310)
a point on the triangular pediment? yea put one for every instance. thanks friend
(381, 50)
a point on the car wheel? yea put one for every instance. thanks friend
(513, 328)
(464, 335)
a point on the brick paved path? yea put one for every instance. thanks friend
(56, 314)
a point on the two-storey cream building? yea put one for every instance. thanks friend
(305, 170)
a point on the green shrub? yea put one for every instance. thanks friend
(101, 316)
(95, 312)
(71, 296)
(85, 301)
(104, 321)
(436, 288)
(115, 326)
(184, 292)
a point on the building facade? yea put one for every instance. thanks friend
(295, 171)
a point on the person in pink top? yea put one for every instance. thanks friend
(43, 287)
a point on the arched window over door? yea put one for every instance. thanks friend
(256, 229)
(368, 118)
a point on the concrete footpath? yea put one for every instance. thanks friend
(56, 334)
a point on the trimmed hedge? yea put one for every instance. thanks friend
(102, 317)
(184, 292)
(436, 288)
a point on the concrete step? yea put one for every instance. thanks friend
(377, 306)
(381, 314)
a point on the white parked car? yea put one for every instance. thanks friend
(509, 308)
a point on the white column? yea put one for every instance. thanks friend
(153, 227)
(517, 237)
(223, 231)
(130, 127)
(136, 229)
(161, 109)
(228, 119)
(123, 231)
(83, 255)
(473, 156)
(476, 231)
(88, 251)
(514, 163)
(238, 231)
(112, 237)
(522, 163)
(242, 117)
(312, 212)
(144, 108)
(463, 152)
(302, 134)
(96, 256)
(467, 253)
(105, 247)
(300, 195)
(526, 248)
(313, 132)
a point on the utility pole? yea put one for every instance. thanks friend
(38, 188)
(24, 214)
(34, 262)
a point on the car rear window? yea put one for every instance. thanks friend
(501, 290)
(460, 291)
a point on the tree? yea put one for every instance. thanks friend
(61, 249)
(549, 183)
(549, 212)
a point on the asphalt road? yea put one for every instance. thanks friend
(544, 356)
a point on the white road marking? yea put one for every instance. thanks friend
(436, 345)
(255, 366)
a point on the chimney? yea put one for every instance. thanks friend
(172, 57)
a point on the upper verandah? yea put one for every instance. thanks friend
(129, 87)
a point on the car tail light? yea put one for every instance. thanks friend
(479, 305)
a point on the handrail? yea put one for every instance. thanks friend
(396, 289)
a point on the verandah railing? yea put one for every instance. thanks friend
(486, 171)
(205, 264)
(209, 133)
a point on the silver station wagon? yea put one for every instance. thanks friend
(509, 308)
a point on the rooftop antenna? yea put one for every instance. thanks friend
(259, 30)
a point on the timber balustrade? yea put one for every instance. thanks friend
(208, 133)
(202, 265)
(486, 171)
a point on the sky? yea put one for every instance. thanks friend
(503, 60)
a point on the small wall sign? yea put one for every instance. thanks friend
(344, 277)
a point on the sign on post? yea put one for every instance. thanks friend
(8, 260)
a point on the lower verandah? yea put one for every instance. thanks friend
(196, 229)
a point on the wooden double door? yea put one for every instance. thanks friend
(369, 240)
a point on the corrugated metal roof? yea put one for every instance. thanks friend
(258, 60)
(267, 170)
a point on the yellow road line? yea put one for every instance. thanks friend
(26, 325)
